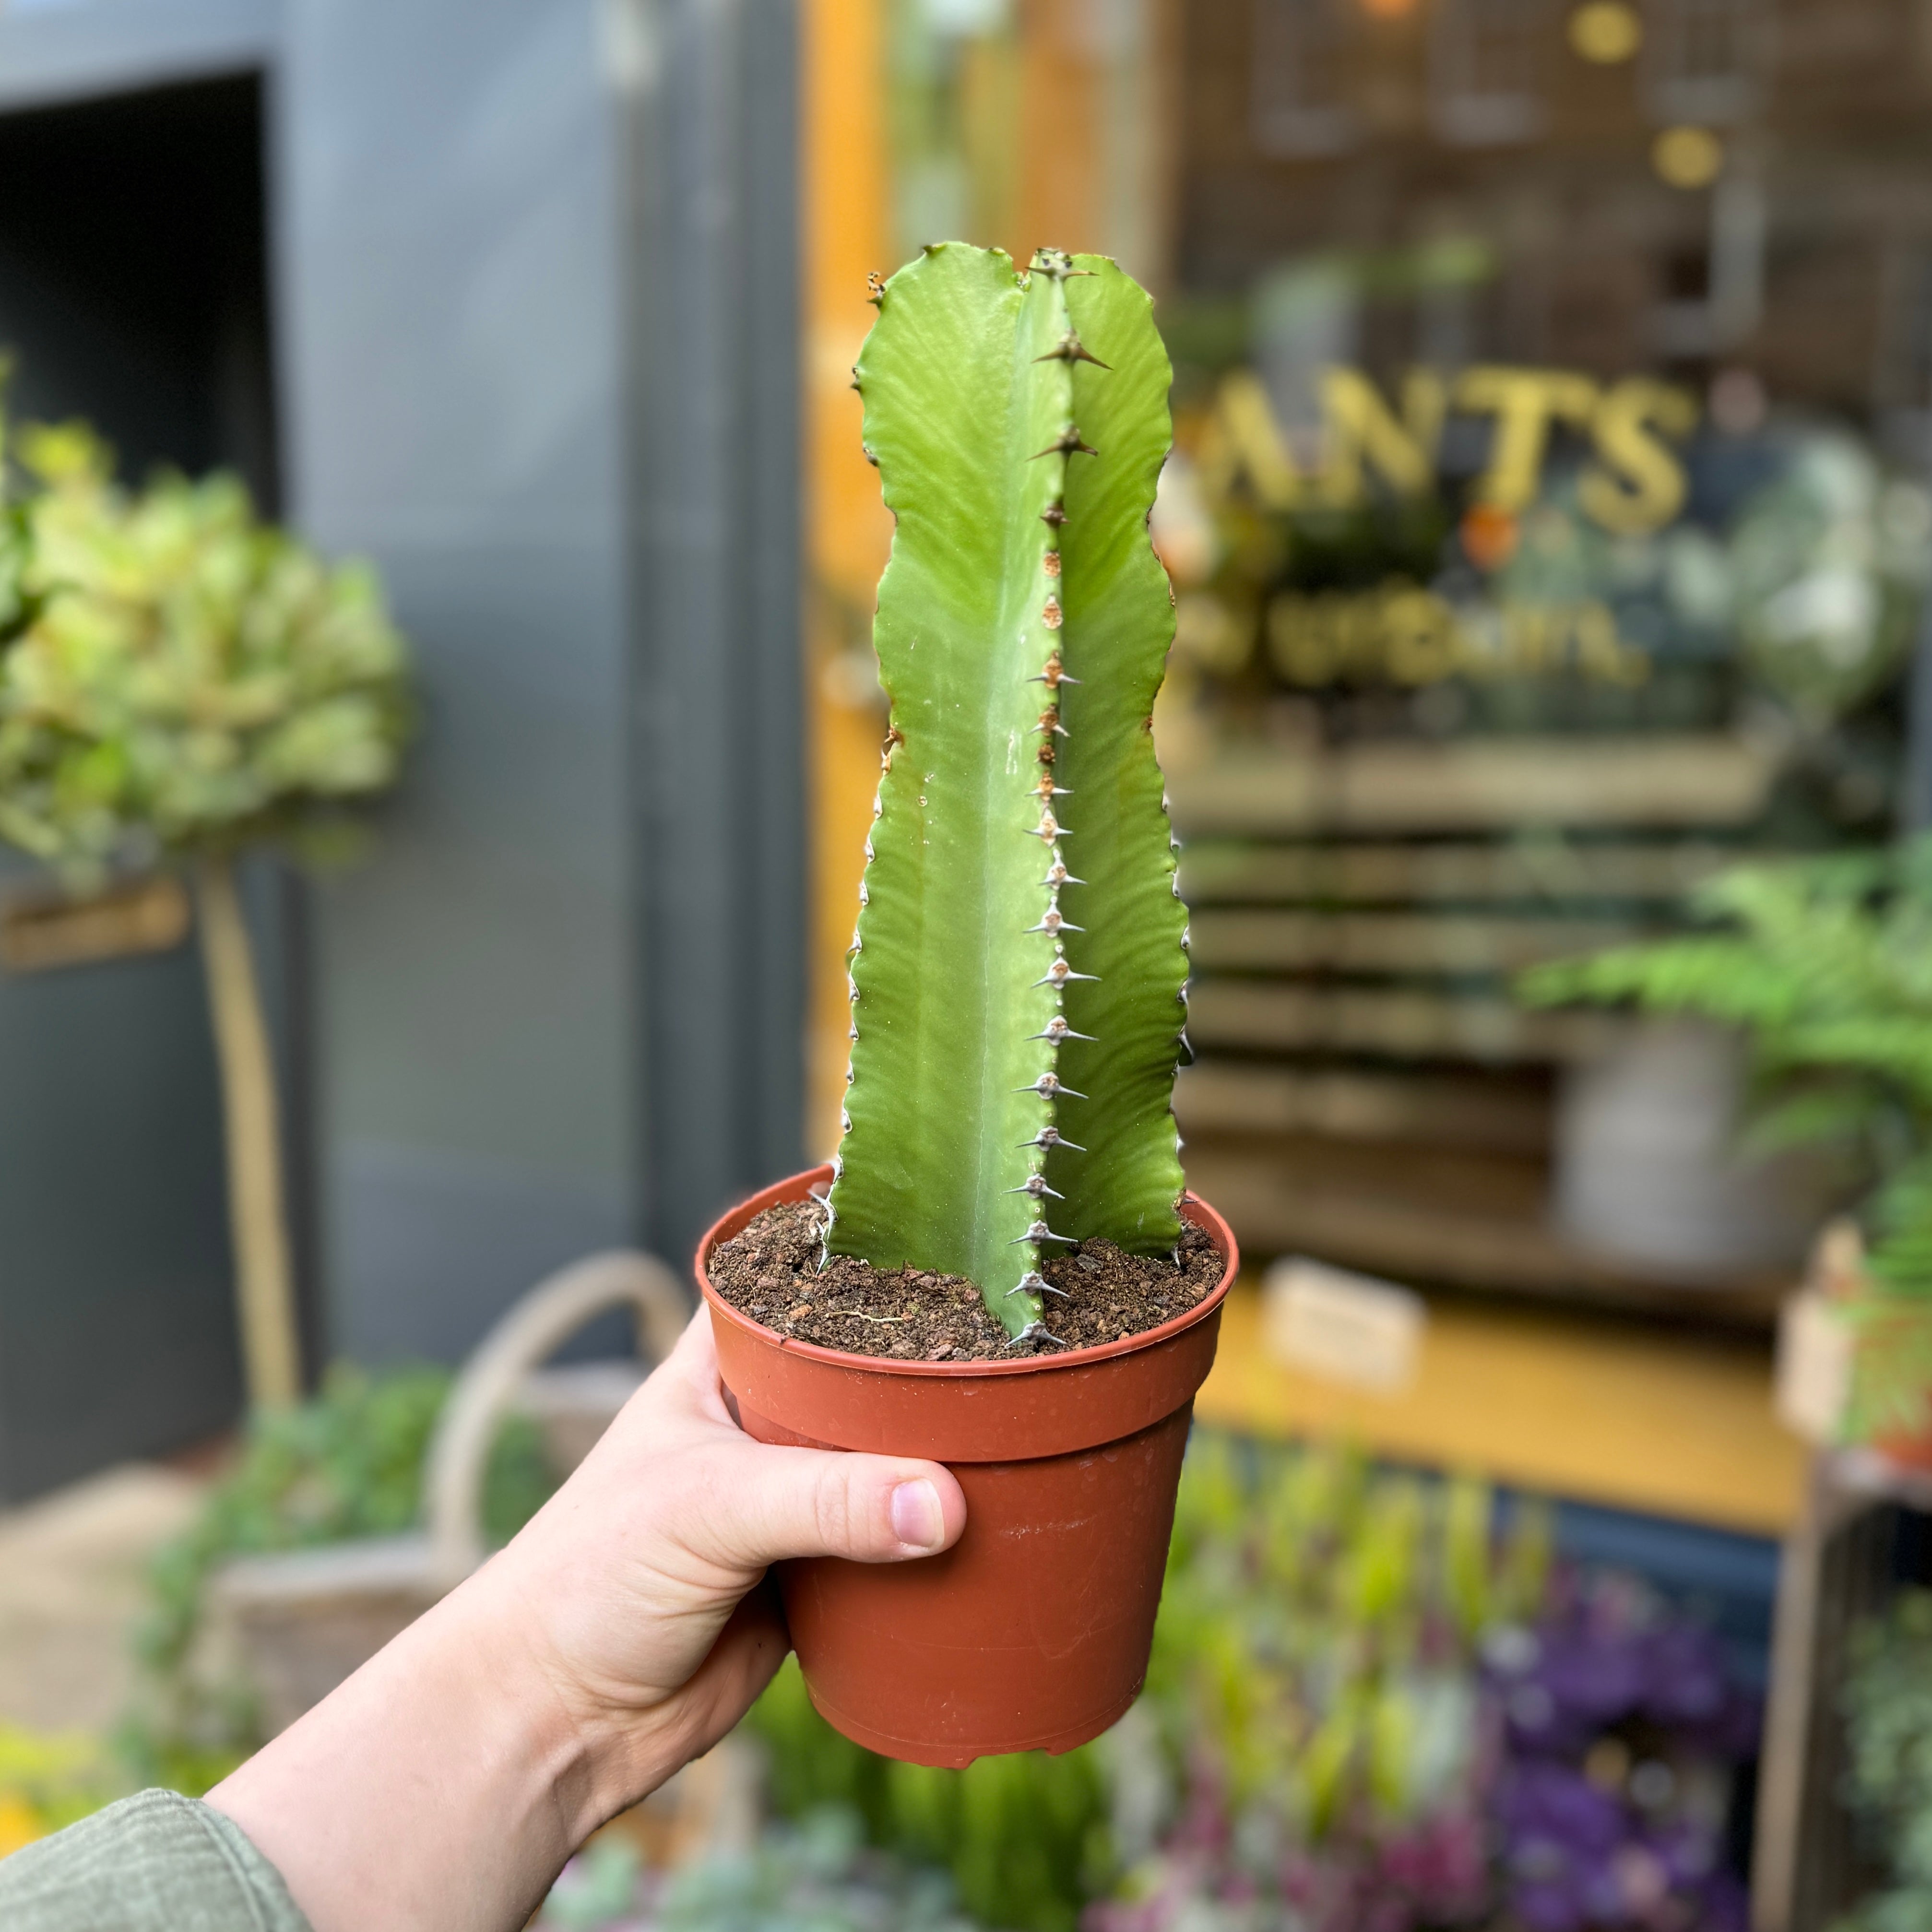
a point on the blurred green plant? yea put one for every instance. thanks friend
(1887, 1702)
(1316, 1664)
(1320, 1630)
(347, 1464)
(815, 1875)
(1024, 1837)
(181, 683)
(47, 1782)
(1826, 965)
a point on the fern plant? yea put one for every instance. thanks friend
(1826, 963)
(1017, 974)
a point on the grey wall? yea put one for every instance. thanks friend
(535, 333)
(711, 235)
(450, 323)
(57, 49)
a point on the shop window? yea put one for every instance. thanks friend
(1301, 99)
(1702, 59)
(1486, 71)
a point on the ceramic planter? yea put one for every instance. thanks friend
(1032, 1632)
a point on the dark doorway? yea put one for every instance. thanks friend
(134, 278)
(133, 292)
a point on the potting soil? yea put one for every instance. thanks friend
(771, 1272)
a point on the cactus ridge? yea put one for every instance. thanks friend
(974, 988)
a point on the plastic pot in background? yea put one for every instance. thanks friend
(1032, 1632)
(1648, 1170)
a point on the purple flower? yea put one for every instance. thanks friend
(1540, 1802)
(1683, 1675)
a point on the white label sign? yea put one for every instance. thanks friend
(1343, 1327)
(1814, 1367)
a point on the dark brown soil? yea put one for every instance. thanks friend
(771, 1272)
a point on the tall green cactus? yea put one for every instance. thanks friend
(1017, 977)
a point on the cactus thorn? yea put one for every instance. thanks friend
(1054, 514)
(1055, 263)
(1051, 614)
(1036, 1331)
(1054, 920)
(1067, 443)
(1040, 1232)
(1056, 1029)
(1052, 1137)
(1049, 721)
(1049, 1087)
(1049, 562)
(1059, 973)
(1033, 1282)
(1036, 1185)
(875, 288)
(1049, 829)
(1070, 348)
(1057, 874)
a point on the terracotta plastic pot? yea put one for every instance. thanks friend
(1889, 1330)
(1032, 1632)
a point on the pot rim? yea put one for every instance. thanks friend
(1204, 1217)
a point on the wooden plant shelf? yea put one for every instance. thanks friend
(1412, 1023)
(1476, 784)
(1534, 869)
(1501, 1114)
(1463, 1219)
(1271, 939)
(1655, 1420)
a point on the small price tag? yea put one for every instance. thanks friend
(1342, 1328)
(1814, 1367)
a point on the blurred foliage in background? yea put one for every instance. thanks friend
(1826, 965)
(1024, 1837)
(817, 1874)
(180, 676)
(1314, 1675)
(348, 1464)
(1887, 1702)
(1375, 1704)
(46, 1783)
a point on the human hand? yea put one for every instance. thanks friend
(637, 1583)
(620, 1634)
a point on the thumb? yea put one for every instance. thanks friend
(774, 1503)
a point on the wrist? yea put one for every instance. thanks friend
(590, 1753)
(443, 1786)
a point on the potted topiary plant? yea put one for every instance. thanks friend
(1001, 1269)
(180, 682)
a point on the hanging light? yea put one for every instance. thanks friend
(1605, 32)
(1688, 157)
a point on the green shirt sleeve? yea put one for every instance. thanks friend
(155, 1862)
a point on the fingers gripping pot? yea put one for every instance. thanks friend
(1032, 1632)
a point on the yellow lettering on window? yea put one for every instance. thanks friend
(1242, 439)
(1525, 402)
(1638, 485)
(1362, 433)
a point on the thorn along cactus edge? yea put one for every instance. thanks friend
(1018, 977)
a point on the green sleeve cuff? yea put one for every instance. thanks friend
(155, 1862)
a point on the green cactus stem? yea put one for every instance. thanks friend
(1017, 974)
